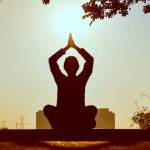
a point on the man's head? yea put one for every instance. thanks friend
(71, 65)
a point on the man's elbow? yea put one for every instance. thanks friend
(92, 59)
(90, 62)
(51, 63)
(51, 60)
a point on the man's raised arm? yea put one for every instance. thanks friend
(81, 51)
(88, 66)
(53, 63)
(84, 54)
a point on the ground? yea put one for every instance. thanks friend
(56, 145)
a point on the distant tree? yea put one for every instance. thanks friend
(142, 116)
(4, 128)
(100, 9)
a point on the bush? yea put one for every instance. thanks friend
(142, 118)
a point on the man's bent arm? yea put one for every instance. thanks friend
(88, 67)
(53, 63)
(84, 54)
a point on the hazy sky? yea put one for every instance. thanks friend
(31, 32)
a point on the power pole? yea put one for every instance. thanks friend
(16, 125)
(21, 122)
(3, 124)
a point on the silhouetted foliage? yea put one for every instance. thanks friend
(100, 9)
(46, 1)
(142, 116)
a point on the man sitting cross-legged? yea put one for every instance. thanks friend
(70, 112)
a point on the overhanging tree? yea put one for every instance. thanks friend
(101, 9)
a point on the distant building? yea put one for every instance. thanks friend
(41, 121)
(105, 119)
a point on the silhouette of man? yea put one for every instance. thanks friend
(70, 111)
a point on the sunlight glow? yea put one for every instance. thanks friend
(69, 20)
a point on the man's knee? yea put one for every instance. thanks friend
(48, 109)
(91, 110)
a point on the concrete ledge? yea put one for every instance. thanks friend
(92, 135)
